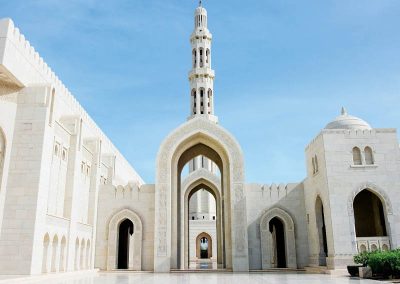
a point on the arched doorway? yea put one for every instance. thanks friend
(321, 230)
(199, 137)
(125, 241)
(370, 223)
(204, 246)
(369, 215)
(207, 183)
(278, 247)
(277, 229)
(125, 233)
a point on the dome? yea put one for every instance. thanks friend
(346, 121)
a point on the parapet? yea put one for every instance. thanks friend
(19, 57)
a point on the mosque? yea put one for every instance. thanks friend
(70, 201)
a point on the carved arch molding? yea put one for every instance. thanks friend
(113, 228)
(267, 241)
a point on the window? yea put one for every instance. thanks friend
(64, 154)
(194, 53)
(56, 149)
(369, 160)
(313, 165)
(201, 57)
(316, 163)
(53, 94)
(357, 156)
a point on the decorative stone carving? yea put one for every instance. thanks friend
(201, 131)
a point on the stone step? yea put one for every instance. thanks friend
(277, 270)
(201, 270)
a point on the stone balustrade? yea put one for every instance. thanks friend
(373, 243)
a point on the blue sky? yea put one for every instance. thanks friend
(283, 69)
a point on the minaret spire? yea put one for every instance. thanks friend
(201, 77)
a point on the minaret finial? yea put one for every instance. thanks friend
(200, 3)
(344, 111)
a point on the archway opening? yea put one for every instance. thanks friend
(202, 228)
(125, 232)
(369, 215)
(63, 254)
(46, 243)
(204, 246)
(54, 254)
(277, 229)
(321, 230)
(200, 158)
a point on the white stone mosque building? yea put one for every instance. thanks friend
(70, 201)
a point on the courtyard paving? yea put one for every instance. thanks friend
(195, 278)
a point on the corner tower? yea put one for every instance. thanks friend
(201, 77)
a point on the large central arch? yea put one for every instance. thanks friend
(199, 136)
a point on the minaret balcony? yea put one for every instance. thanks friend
(199, 33)
(202, 72)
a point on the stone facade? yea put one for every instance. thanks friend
(70, 201)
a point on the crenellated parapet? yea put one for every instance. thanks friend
(23, 65)
(272, 192)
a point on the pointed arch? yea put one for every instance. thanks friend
(45, 258)
(201, 55)
(321, 231)
(63, 254)
(202, 179)
(54, 256)
(369, 158)
(88, 255)
(135, 262)
(194, 55)
(199, 136)
(387, 212)
(82, 255)
(357, 160)
(267, 241)
(76, 257)
(210, 244)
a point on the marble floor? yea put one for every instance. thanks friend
(194, 278)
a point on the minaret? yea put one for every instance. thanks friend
(201, 76)
(201, 79)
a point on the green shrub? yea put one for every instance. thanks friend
(382, 263)
(362, 258)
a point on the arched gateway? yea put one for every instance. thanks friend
(199, 136)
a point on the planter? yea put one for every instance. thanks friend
(353, 270)
(365, 272)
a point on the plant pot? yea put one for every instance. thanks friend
(353, 270)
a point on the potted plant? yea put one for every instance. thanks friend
(362, 261)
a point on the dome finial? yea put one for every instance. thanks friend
(344, 111)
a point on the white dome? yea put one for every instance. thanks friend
(346, 121)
